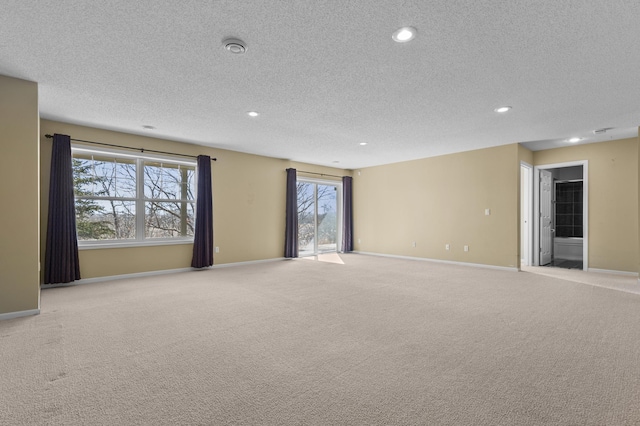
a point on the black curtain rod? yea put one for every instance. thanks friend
(319, 174)
(133, 149)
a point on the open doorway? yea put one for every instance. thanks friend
(561, 215)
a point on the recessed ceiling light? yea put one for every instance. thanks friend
(234, 46)
(503, 109)
(148, 127)
(404, 34)
(253, 113)
(335, 162)
(574, 140)
(363, 143)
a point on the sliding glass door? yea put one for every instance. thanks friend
(318, 217)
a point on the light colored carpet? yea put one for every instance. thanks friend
(370, 341)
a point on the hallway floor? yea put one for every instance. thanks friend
(566, 264)
(621, 282)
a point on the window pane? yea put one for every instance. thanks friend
(105, 219)
(106, 189)
(306, 217)
(82, 175)
(125, 179)
(115, 177)
(164, 181)
(327, 217)
(104, 176)
(190, 184)
(169, 219)
(103, 171)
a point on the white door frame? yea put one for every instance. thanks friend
(526, 208)
(585, 208)
(338, 185)
(546, 231)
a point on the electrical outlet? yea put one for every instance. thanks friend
(447, 247)
(487, 212)
(466, 248)
(414, 243)
(359, 241)
(217, 249)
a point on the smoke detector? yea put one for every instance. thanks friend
(234, 46)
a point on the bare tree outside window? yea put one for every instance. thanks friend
(326, 215)
(108, 202)
(89, 224)
(169, 191)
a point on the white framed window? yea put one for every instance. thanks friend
(124, 199)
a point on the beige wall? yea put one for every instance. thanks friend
(248, 205)
(19, 251)
(442, 200)
(433, 201)
(613, 199)
(326, 173)
(525, 155)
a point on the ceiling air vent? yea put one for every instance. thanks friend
(234, 46)
(602, 131)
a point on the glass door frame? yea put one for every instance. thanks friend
(339, 219)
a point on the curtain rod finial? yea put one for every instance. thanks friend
(48, 136)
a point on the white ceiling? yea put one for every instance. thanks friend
(326, 75)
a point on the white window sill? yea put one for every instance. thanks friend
(121, 244)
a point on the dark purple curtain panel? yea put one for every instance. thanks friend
(203, 239)
(347, 208)
(291, 226)
(61, 263)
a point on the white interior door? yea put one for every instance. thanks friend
(546, 217)
(525, 214)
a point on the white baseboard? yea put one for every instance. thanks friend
(450, 262)
(614, 272)
(153, 273)
(115, 277)
(18, 314)
(248, 262)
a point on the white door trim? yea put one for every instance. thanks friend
(526, 192)
(585, 208)
(546, 217)
(339, 207)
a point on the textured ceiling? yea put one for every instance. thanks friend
(326, 75)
